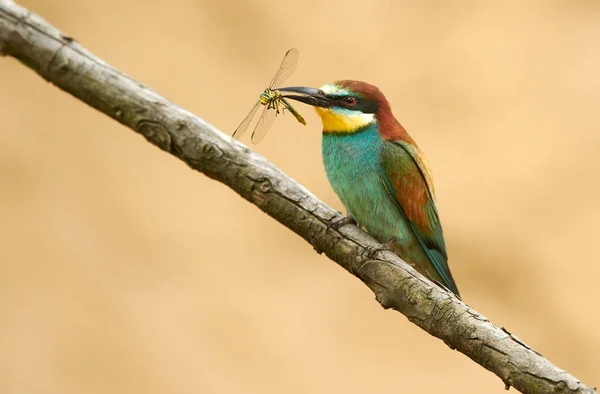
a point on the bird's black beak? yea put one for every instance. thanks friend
(310, 96)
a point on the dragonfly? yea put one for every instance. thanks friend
(272, 101)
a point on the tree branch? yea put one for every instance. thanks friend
(63, 62)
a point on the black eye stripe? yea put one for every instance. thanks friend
(368, 107)
(362, 104)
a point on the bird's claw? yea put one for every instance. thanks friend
(372, 249)
(335, 224)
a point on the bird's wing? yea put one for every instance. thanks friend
(408, 181)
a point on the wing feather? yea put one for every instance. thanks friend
(407, 176)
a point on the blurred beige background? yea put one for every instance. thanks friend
(121, 270)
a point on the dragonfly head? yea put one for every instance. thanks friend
(268, 96)
(264, 98)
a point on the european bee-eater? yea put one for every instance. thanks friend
(379, 173)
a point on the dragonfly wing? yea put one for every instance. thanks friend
(264, 124)
(241, 129)
(288, 65)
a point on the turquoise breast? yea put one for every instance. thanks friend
(353, 167)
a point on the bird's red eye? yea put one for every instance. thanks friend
(350, 100)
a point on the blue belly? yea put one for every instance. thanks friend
(352, 164)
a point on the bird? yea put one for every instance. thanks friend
(379, 173)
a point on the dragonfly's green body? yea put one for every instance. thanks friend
(292, 110)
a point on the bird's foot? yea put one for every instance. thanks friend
(372, 249)
(335, 224)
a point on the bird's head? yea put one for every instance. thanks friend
(346, 106)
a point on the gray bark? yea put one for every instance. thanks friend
(62, 61)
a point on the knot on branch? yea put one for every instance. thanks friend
(265, 186)
(155, 133)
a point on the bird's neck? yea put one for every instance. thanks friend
(389, 127)
(360, 148)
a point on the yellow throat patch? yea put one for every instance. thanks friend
(349, 122)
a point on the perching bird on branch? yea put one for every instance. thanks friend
(379, 173)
